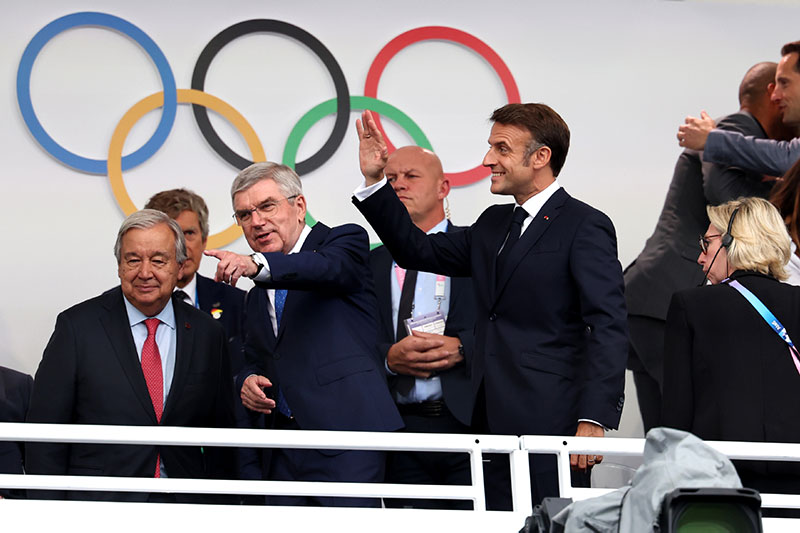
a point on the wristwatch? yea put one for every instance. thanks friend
(259, 265)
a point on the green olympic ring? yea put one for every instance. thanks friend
(328, 107)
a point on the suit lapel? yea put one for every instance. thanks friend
(543, 220)
(314, 239)
(184, 348)
(203, 294)
(118, 330)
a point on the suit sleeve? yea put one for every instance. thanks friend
(52, 402)
(722, 183)
(441, 253)
(598, 275)
(677, 406)
(764, 156)
(337, 266)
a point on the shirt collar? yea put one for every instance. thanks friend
(298, 246)
(533, 204)
(440, 227)
(190, 289)
(166, 316)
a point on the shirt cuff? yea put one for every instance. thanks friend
(364, 191)
(388, 370)
(264, 274)
(593, 422)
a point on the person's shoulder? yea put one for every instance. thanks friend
(741, 120)
(219, 287)
(97, 304)
(193, 316)
(11, 376)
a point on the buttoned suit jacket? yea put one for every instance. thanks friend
(456, 381)
(230, 303)
(90, 373)
(728, 375)
(15, 397)
(324, 358)
(551, 333)
(668, 262)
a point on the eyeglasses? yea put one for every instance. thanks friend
(705, 240)
(265, 209)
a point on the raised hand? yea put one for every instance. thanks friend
(372, 149)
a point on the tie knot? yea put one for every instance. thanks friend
(519, 215)
(152, 325)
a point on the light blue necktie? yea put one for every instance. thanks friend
(280, 301)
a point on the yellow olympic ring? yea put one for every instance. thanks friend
(154, 101)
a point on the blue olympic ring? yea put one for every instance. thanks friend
(88, 18)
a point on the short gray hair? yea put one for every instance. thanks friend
(146, 219)
(287, 179)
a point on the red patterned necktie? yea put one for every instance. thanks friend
(151, 368)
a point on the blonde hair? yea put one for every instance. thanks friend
(760, 240)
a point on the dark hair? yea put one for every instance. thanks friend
(786, 197)
(546, 127)
(789, 48)
(176, 201)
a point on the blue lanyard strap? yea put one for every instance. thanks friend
(765, 313)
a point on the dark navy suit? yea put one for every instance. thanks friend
(551, 339)
(324, 358)
(15, 397)
(228, 305)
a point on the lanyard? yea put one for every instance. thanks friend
(769, 318)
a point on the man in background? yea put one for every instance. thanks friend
(428, 372)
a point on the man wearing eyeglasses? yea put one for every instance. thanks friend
(310, 331)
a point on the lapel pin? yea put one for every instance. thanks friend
(546, 217)
(216, 312)
(187, 325)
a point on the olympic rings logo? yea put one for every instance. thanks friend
(171, 96)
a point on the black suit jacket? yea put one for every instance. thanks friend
(228, 304)
(551, 337)
(668, 262)
(15, 397)
(90, 374)
(456, 382)
(727, 374)
(324, 356)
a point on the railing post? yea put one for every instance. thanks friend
(521, 480)
(476, 467)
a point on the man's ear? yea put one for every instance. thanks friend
(444, 189)
(541, 157)
(300, 202)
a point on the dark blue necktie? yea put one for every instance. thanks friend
(514, 231)
(280, 301)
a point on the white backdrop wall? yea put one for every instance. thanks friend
(622, 73)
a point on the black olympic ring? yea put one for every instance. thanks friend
(284, 28)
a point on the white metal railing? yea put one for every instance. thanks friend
(564, 446)
(474, 445)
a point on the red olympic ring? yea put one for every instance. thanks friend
(448, 34)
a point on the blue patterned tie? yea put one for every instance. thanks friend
(280, 301)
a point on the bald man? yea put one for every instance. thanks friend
(427, 372)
